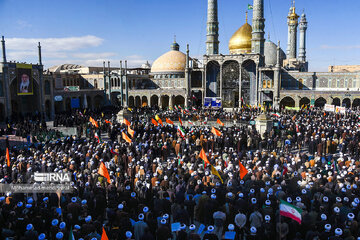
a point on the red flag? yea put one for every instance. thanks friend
(7, 157)
(107, 121)
(220, 122)
(93, 122)
(103, 235)
(216, 132)
(180, 121)
(169, 121)
(126, 138)
(131, 132)
(125, 121)
(154, 122)
(104, 172)
(242, 170)
(160, 121)
(203, 156)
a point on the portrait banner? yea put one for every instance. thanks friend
(24, 79)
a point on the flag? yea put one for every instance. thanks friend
(175, 107)
(180, 121)
(169, 121)
(93, 122)
(294, 117)
(126, 138)
(102, 114)
(103, 235)
(157, 117)
(216, 173)
(285, 170)
(190, 122)
(131, 132)
(113, 152)
(220, 122)
(297, 127)
(104, 172)
(108, 122)
(160, 121)
(290, 211)
(71, 234)
(242, 170)
(125, 121)
(154, 122)
(7, 157)
(275, 115)
(203, 156)
(194, 109)
(130, 109)
(181, 131)
(216, 132)
(334, 165)
(97, 137)
(250, 7)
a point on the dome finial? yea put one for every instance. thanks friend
(246, 20)
(174, 38)
(269, 36)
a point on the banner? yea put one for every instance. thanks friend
(24, 79)
(341, 110)
(329, 108)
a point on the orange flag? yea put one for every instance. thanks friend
(131, 132)
(104, 172)
(169, 121)
(125, 121)
(160, 122)
(220, 122)
(180, 121)
(154, 122)
(93, 122)
(203, 156)
(294, 117)
(7, 157)
(107, 121)
(103, 235)
(242, 170)
(126, 138)
(216, 132)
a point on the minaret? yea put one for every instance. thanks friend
(277, 78)
(293, 24)
(302, 47)
(288, 42)
(212, 35)
(187, 77)
(258, 26)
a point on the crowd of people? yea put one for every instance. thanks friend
(160, 187)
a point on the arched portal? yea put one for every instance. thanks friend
(336, 102)
(144, 101)
(131, 102)
(346, 103)
(248, 82)
(230, 84)
(137, 101)
(179, 100)
(356, 103)
(165, 101)
(320, 102)
(212, 79)
(154, 100)
(287, 102)
(304, 102)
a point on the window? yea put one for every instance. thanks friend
(264, 83)
(47, 88)
(346, 83)
(329, 83)
(338, 83)
(268, 83)
(301, 84)
(354, 83)
(317, 85)
(95, 84)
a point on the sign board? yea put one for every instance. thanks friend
(329, 108)
(71, 88)
(75, 103)
(24, 79)
(292, 108)
(312, 102)
(212, 102)
(341, 110)
(58, 98)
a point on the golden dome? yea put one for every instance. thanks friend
(240, 42)
(172, 61)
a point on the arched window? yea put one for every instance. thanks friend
(329, 83)
(268, 83)
(317, 83)
(264, 83)
(301, 84)
(346, 83)
(338, 83)
(95, 84)
(47, 88)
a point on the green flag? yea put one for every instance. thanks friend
(250, 7)
(71, 235)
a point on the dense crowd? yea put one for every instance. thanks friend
(309, 159)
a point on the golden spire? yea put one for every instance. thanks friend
(174, 38)
(246, 17)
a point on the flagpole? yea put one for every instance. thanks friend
(279, 224)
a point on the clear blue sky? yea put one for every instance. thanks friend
(88, 31)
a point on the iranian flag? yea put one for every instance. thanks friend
(97, 137)
(181, 131)
(290, 211)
